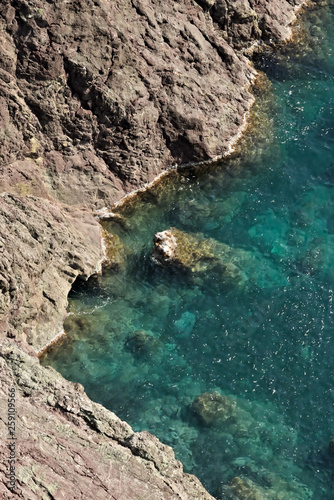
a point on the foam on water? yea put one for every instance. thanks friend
(150, 343)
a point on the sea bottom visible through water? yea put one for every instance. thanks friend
(236, 375)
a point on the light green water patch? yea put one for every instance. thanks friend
(238, 379)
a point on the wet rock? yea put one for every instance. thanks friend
(212, 408)
(115, 251)
(195, 254)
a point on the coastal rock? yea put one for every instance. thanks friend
(66, 443)
(208, 259)
(244, 489)
(115, 251)
(194, 253)
(213, 407)
(44, 248)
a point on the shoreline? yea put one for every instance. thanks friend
(105, 214)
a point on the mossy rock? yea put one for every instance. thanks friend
(195, 254)
(243, 489)
(114, 250)
(78, 324)
(212, 408)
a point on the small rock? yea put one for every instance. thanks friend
(213, 407)
(141, 343)
(186, 323)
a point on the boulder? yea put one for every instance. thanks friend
(212, 408)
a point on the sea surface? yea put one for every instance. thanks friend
(236, 375)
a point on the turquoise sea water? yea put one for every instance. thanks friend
(146, 341)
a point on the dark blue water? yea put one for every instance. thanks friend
(150, 343)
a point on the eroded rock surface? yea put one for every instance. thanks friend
(43, 248)
(68, 447)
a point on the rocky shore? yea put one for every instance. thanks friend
(97, 98)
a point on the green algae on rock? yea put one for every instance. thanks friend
(199, 256)
(213, 407)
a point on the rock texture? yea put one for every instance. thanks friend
(68, 447)
(43, 249)
(96, 99)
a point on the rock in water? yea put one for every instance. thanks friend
(141, 343)
(213, 407)
(195, 254)
(207, 258)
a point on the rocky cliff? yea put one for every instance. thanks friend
(96, 99)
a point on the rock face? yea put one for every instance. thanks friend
(96, 99)
(69, 447)
(104, 96)
(44, 247)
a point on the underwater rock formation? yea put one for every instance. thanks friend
(196, 255)
(213, 407)
(141, 343)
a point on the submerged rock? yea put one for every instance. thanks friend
(186, 323)
(213, 407)
(243, 489)
(195, 254)
(207, 258)
(141, 343)
(114, 250)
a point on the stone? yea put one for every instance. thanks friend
(115, 251)
(212, 408)
(185, 323)
(141, 343)
(195, 254)
(205, 258)
(244, 489)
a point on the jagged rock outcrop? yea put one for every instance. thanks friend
(43, 247)
(69, 447)
(96, 99)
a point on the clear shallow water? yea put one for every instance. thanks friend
(146, 341)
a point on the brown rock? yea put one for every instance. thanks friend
(68, 447)
(44, 248)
